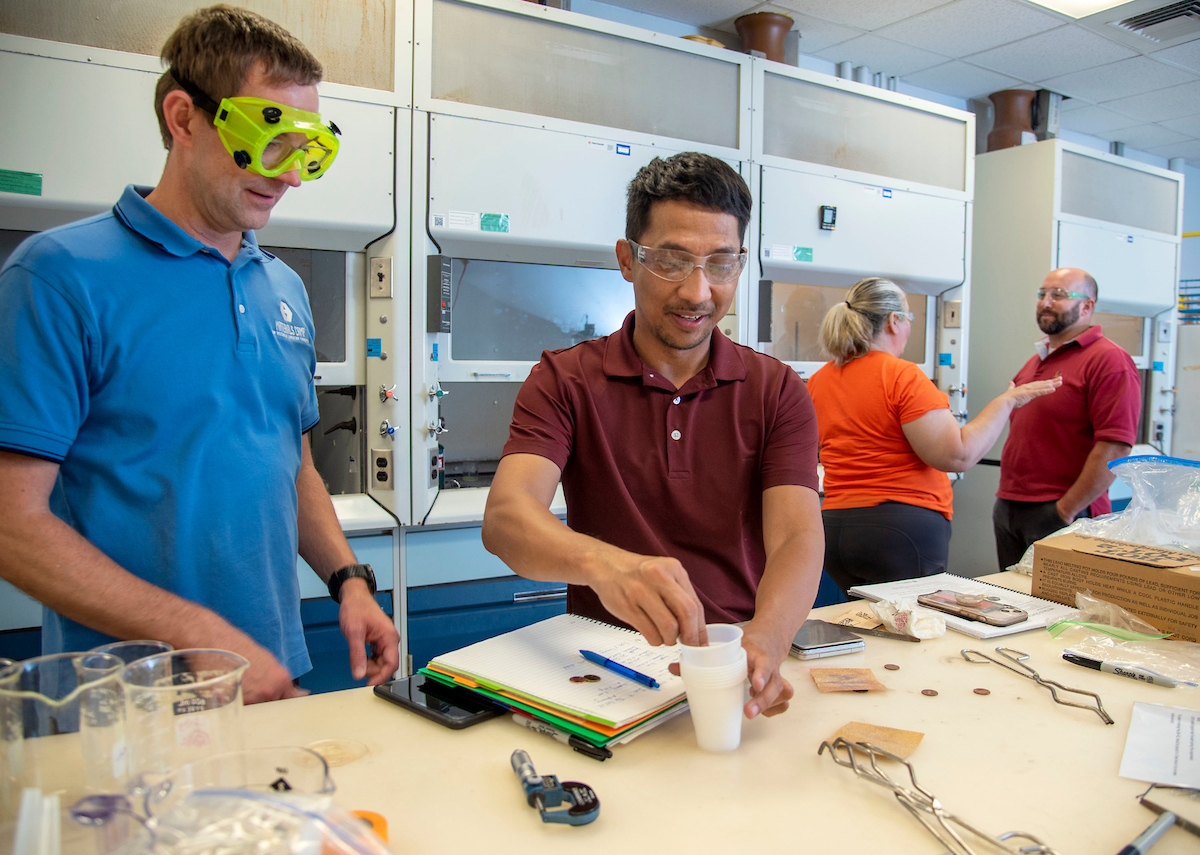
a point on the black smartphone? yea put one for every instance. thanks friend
(454, 708)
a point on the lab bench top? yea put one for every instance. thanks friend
(1008, 760)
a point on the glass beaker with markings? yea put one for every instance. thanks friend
(62, 729)
(181, 707)
(131, 651)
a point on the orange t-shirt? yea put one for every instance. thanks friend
(867, 458)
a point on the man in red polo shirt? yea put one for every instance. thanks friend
(1054, 467)
(688, 461)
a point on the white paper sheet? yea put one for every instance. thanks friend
(1042, 613)
(1163, 746)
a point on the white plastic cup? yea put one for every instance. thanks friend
(723, 648)
(716, 696)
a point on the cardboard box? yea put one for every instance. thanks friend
(1161, 586)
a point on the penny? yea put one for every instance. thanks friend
(891, 667)
(930, 692)
(983, 691)
(578, 679)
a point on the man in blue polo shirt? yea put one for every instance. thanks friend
(156, 383)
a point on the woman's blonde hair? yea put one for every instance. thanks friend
(851, 326)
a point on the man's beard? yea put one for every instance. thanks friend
(1059, 321)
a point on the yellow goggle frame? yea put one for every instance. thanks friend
(254, 131)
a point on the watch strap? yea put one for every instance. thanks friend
(351, 571)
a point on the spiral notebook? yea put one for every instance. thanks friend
(1042, 613)
(541, 663)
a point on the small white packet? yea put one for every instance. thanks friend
(907, 618)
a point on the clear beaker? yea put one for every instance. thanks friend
(62, 730)
(291, 769)
(181, 707)
(132, 651)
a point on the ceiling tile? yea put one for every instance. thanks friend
(880, 54)
(1189, 125)
(1186, 54)
(1189, 150)
(1069, 104)
(1090, 119)
(1175, 102)
(1119, 79)
(815, 33)
(961, 80)
(1052, 54)
(698, 13)
(1145, 137)
(867, 14)
(969, 26)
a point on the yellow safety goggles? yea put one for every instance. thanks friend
(269, 138)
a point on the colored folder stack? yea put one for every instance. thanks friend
(538, 671)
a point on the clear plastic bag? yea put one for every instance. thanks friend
(1164, 510)
(905, 617)
(233, 822)
(1105, 632)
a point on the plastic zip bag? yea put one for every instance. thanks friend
(1105, 632)
(245, 821)
(1164, 510)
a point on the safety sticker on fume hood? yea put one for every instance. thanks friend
(468, 221)
(493, 222)
(463, 220)
(604, 146)
(789, 253)
(26, 183)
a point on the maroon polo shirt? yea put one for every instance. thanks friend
(1049, 438)
(663, 472)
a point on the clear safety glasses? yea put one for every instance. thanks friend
(266, 137)
(1057, 295)
(675, 265)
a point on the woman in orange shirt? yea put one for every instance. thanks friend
(887, 440)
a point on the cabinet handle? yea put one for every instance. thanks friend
(544, 594)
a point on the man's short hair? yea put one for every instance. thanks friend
(215, 49)
(691, 177)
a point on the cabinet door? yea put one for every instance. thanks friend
(442, 618)
(375, 550)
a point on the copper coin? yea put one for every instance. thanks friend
(591, 678)
(930, 692)
(983, 691)
(891, 667)
(578, 679)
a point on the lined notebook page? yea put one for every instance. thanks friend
(539, 660)
(1042, 613)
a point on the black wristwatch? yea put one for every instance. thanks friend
(351, 571)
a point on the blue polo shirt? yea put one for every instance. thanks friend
(172, 387)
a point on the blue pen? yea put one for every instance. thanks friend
(618, 668)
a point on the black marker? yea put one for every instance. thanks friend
(596, 752)
(1130, 671)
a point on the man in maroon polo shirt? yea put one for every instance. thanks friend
(688, 461)
(1054, 467)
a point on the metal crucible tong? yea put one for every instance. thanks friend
(1014, 660)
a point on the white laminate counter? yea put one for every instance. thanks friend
(1009, 760)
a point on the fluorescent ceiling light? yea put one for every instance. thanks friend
(1078, 8)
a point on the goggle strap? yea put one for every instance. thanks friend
(199, 97)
